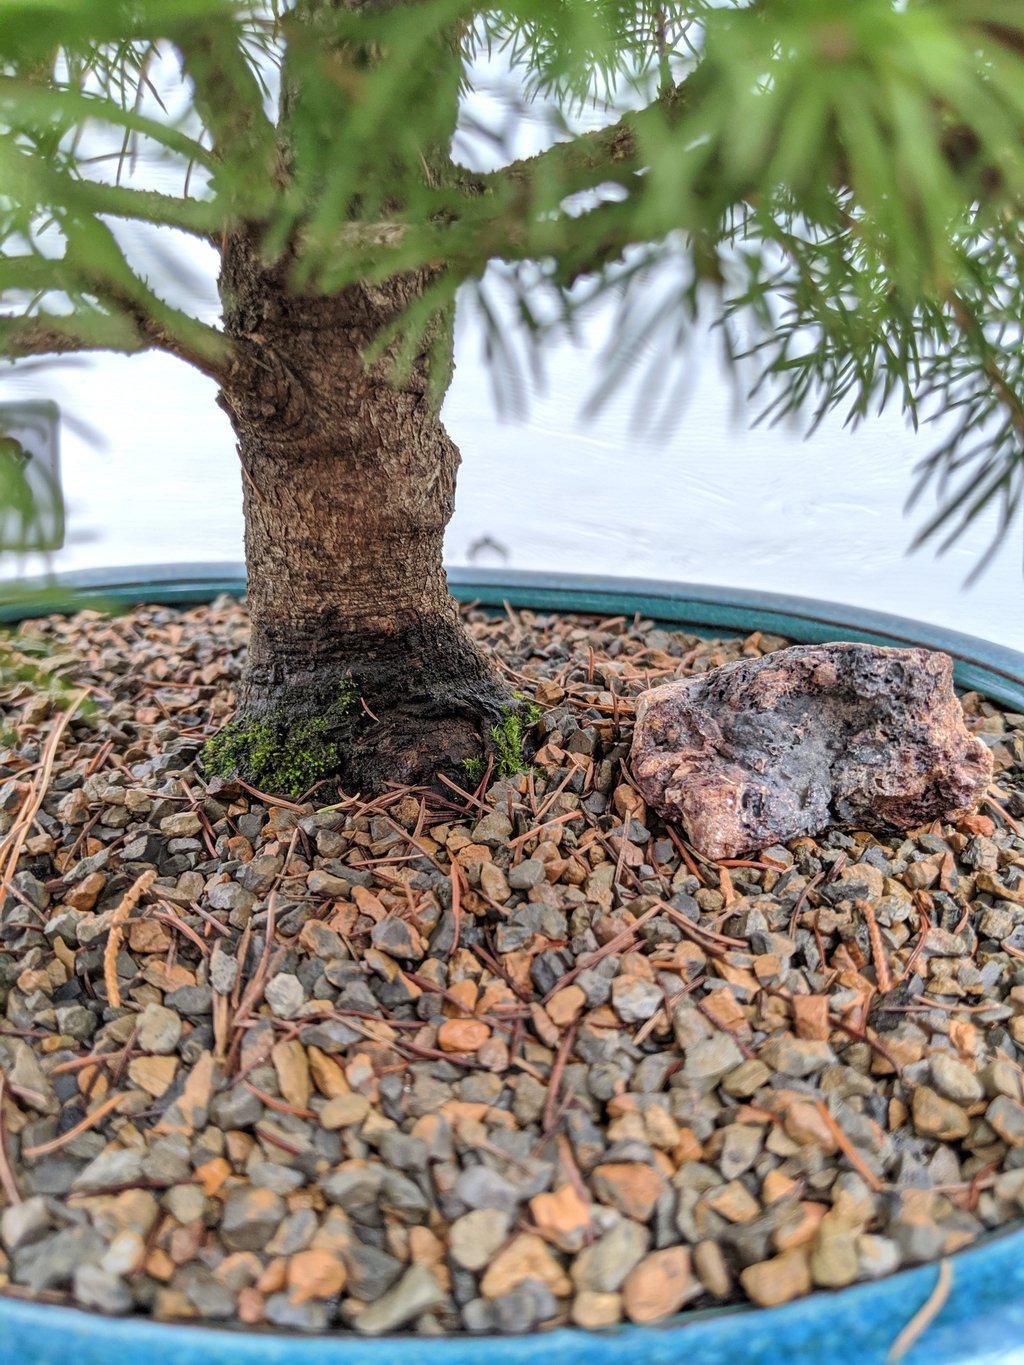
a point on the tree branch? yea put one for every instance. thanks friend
(205, 347)
(92, 329)
(50, 186)
(56, 334)
(609, 155)
(200, 217)
(229, 100)
(137, 319)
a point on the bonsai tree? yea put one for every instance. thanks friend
(836, 183)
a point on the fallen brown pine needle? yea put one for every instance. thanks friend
(555, 1080)
(808, 888)
(882, 971)
(128, 902)
(539, 829)
(849, 1150)
(471, 797)
(282, 1106)
(7, 1181)
(79, 1063)
(456, 906)
(623, 937)
(14, 841)
(925, 1315)
(267, 799)
(90, 1121)
(1005, 815)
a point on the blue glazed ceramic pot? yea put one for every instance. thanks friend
(980, 1320)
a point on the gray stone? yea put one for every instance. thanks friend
(477, 1316)
(23, 1223)
(75, 1021)
(1007, 1117)
(711, 1059)
(101, 1291)
(525, 1307)
(954, 1079)
(230, 896)
(834, 1260)
(294, 1234)
(526, 875)
(186, 1203)
(354, 1184)
(415, 1293)
(110, 1169)
(494, 829)
(474, 1238)
(371, 1272)
(32, 889)
(223, 970)
(52, 1175)
(877, 1256)
(478, 1187)
(794, 1056)
(207, 1295)
(236, 1108)
(634, 999)
(323, 883)
(159, 1029)
(741, 1147)
(604, 1266)
(181, 826)
(250, 1218)
(52, 1262)
(166, 1161)
(394, 937)
(260, 873)
(191, 1001)
(309, 1316)
(283, 1180)
(285, 995)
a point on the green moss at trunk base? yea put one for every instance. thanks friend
(509, 738)
(284, 755)
(474, 768)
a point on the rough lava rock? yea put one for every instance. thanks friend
(763, 750)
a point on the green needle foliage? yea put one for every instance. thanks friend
(836, 183)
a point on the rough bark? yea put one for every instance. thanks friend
(349, 482)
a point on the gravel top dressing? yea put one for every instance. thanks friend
(486, 1061)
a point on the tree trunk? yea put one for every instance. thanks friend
(359, 670)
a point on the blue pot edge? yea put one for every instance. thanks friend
(981, 664)
(988, 1277)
